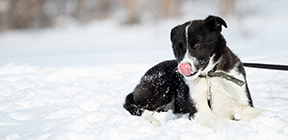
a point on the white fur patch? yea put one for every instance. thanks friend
(228, 100)
(186, 33)
(199, 94)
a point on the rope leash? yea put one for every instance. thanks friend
(266, 66)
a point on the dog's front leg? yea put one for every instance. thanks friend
(204, 115)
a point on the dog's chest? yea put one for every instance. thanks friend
(218, 91)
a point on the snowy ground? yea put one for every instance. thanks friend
(71, 82)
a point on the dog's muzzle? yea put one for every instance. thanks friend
(185, 69)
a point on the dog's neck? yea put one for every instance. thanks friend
(224, 75)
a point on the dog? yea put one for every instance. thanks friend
(207, 80)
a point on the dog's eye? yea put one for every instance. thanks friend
(198, 44)
(180, 45)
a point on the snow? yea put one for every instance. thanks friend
(71, 82)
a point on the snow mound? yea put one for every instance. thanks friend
(79, 101)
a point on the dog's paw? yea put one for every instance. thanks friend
(154, 121)
(210, 120)
(249, 113)
(148, 116)
(206, 119)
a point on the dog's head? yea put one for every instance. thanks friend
(198, 45)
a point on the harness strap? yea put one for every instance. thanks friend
(223, 75)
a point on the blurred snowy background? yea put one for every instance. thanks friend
(67, 65)
(87, 26)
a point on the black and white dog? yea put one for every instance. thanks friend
(207, 80)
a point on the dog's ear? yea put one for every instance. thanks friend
(215, 23)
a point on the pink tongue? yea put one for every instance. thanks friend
(185, 69)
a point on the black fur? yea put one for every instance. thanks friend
(161, 85)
